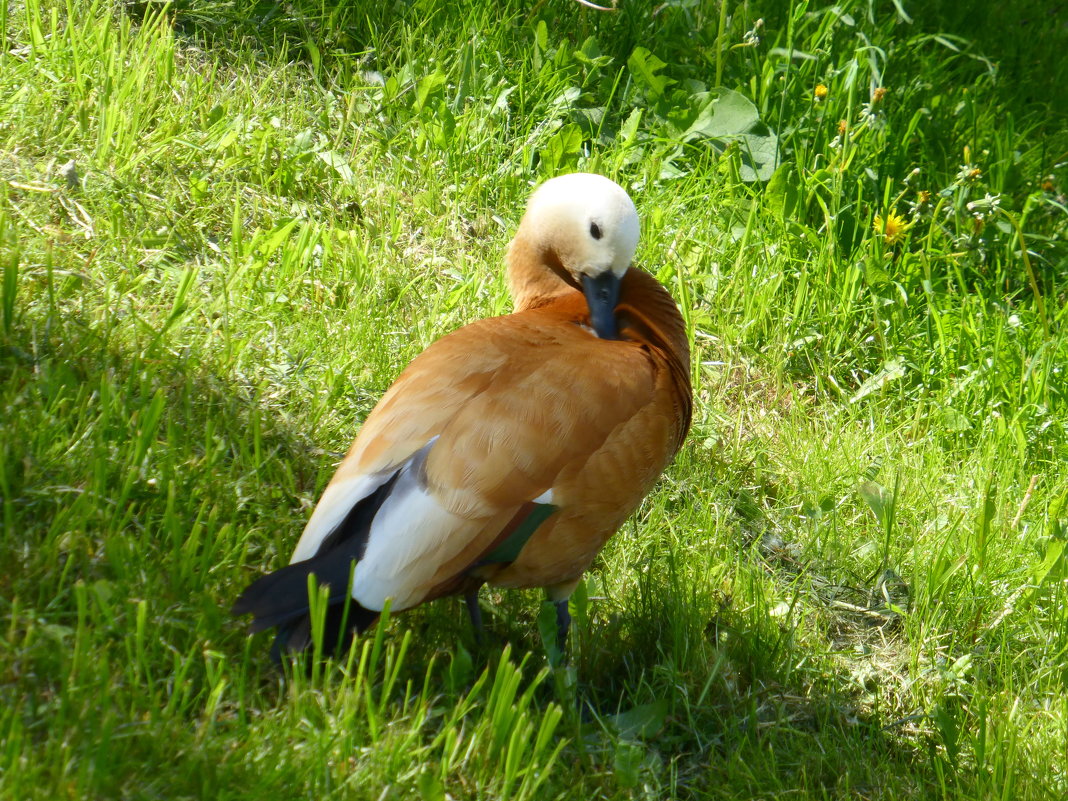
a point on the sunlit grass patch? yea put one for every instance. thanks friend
(850, 584)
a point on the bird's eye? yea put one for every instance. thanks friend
(595, 230)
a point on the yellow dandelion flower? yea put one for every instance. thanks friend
(820, 92)
(923, 196)
(878, 95)
(892, 228)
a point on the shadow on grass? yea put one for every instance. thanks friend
(142, 474)
(702, 699)
(317, 33)
(1019, 40)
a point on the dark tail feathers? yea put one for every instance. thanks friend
(281, 599)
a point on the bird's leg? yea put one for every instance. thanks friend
(558, 595)
(563, 623)
(474, 611)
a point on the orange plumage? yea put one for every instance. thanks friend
(510, 450)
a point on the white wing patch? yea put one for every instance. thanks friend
(411, 537)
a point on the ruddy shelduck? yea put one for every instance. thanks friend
(509, 451)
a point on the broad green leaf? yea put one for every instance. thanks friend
(340, 165)
(563, 149)
(893, 370)
(629, 132)
(877, 497)
(627, 763)
(731, 117)
(644, 66)
(760, 156)
(461, 668)
(430, 786)
(782, 192)
(427, 86)
(548, 631)
(952, 420)
(735, 112)
(642, 721)
(1052, 561)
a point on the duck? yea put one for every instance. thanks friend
(509, 451)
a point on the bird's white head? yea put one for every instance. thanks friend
(588, 222)
(579, 232)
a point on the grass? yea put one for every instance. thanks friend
(851, 584)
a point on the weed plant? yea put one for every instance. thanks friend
(224, 229)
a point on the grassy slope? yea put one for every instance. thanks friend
(851, 583)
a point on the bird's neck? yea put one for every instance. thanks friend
(535, 275)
